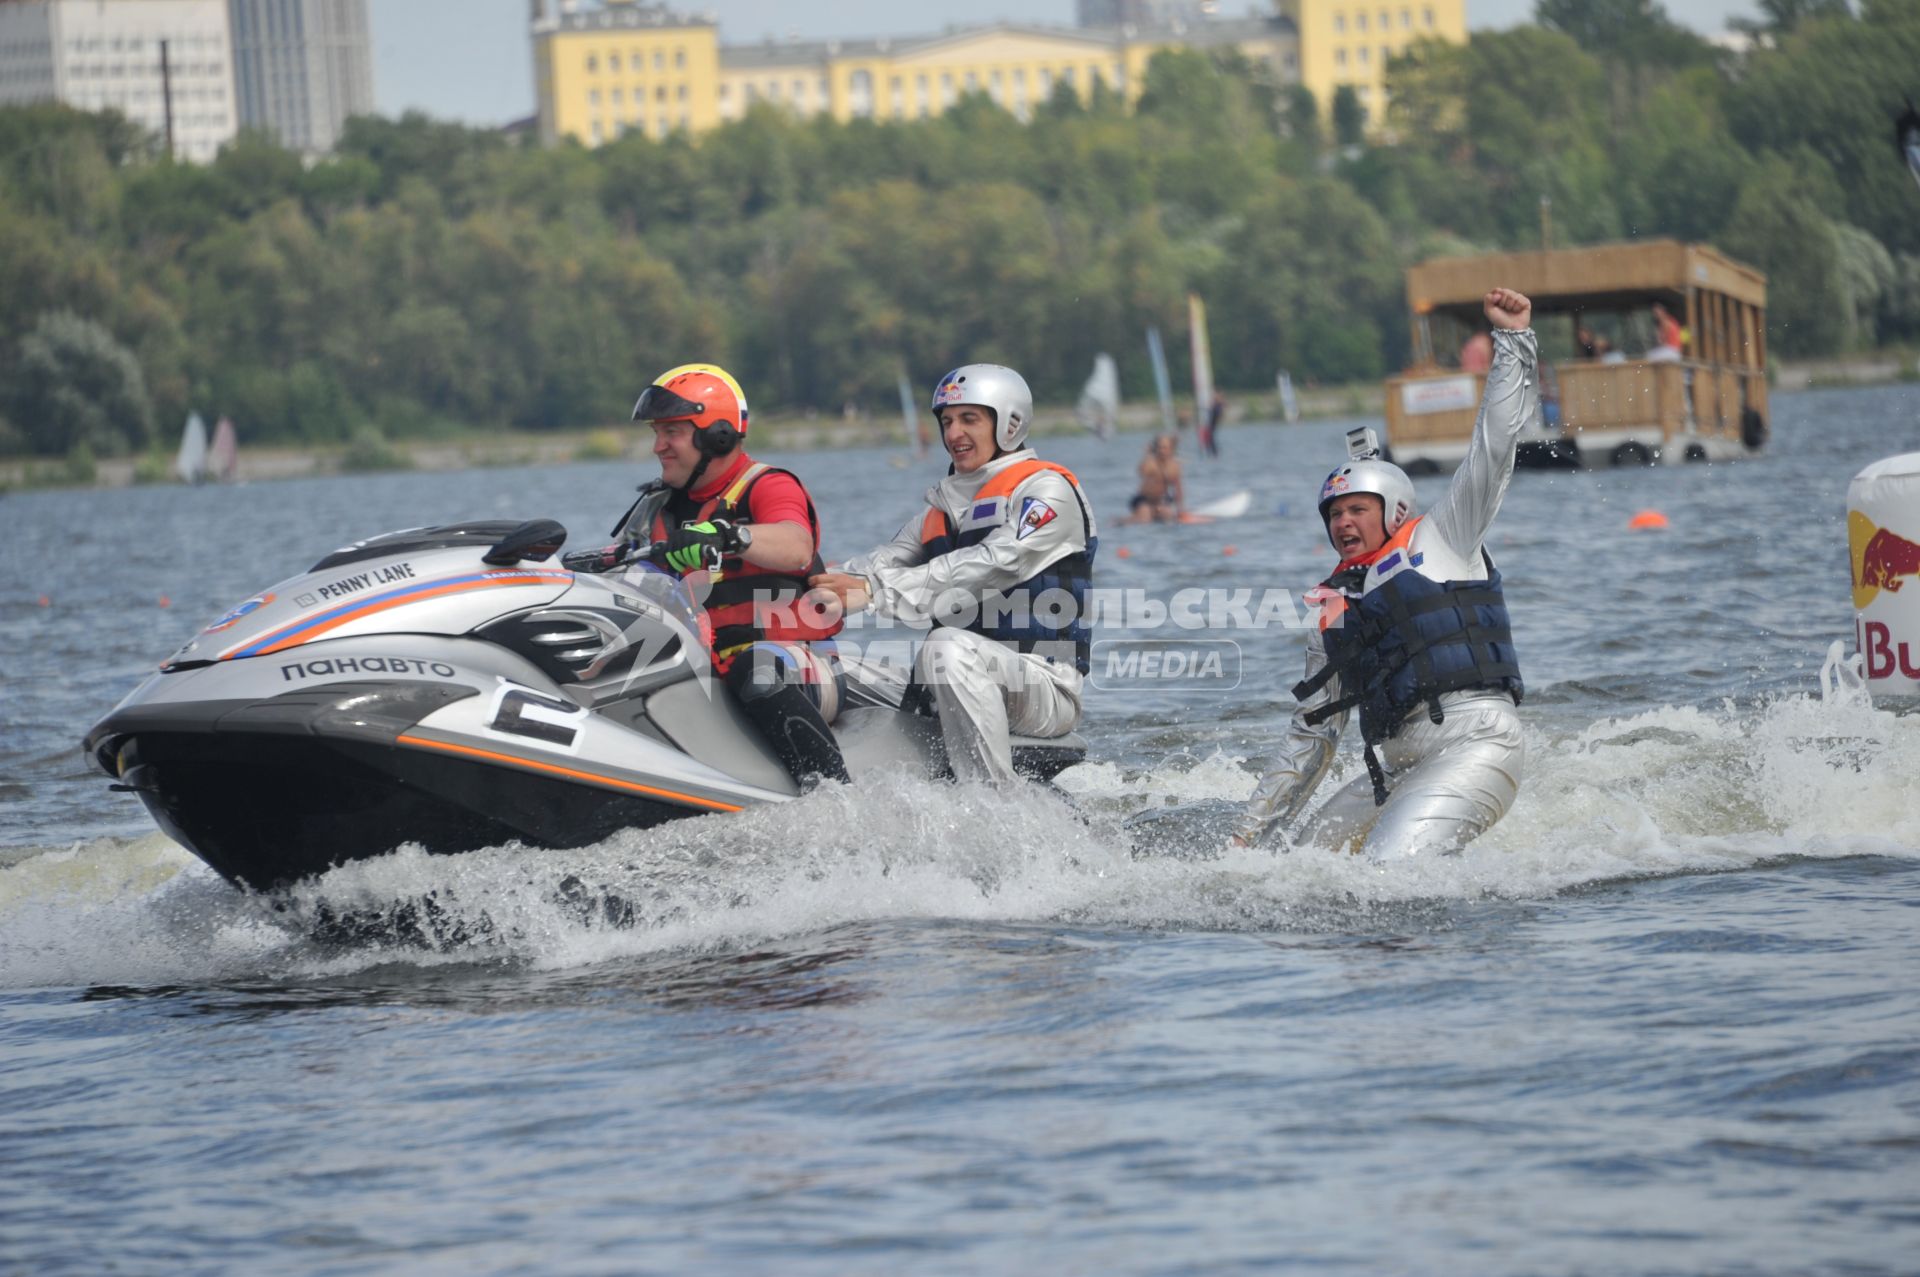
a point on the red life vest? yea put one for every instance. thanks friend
(747, 603)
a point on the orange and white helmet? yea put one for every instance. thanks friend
(704, 395)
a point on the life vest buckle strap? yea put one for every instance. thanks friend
(1308, 686)
(1315, 717)
(1378, 775)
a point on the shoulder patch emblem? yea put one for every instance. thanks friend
(1034, 515)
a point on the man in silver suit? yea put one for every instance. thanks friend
(999, 561)
(1413, 632)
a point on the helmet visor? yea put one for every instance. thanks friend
(657, 403)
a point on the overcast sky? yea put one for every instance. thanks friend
(469, 60)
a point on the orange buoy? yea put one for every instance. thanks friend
(1229, 550)
(1123, 553)
(45, 601)
(1647, 519)
(165, 601)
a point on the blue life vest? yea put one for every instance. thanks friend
(1029, 616)
(1410, 640)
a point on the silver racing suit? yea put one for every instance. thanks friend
(1448, 781)
(983, 689)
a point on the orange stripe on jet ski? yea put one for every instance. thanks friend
(592, 778)
(307, 630)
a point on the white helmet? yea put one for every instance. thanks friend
(1000, 390)
(1382, 479)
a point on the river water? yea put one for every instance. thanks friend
(1662, 1019)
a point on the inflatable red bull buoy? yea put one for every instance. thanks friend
(1883, 535)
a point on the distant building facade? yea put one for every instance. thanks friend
(913, 78)
(301, 67)
(602, 71)
(1140, 13)
(607, 68)
(99, 54)
(1348, 42)
(1019, 67)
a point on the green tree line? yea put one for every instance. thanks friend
(428, 275)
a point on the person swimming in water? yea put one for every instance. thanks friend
(1163, 495)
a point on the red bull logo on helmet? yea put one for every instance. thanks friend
(1882, 559)
(949, 391)
(1336, 484)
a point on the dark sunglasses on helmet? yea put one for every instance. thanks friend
(657, 403)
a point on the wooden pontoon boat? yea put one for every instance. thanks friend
(1644, 400)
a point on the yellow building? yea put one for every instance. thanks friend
(604, 71)
(1349, 42)
(1019, 67)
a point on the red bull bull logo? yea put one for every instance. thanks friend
(1882, 558)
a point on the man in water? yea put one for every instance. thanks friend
(1413, 632)
(1216, 415)
(1010, 539)
(1163, 496)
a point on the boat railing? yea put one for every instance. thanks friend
(1672, 397)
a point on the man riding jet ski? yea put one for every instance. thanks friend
(1413, 633)
(1010, 539)
(450, 687)
(750, 534)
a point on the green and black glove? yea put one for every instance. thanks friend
(693, 546)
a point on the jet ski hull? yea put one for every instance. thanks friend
(267, 811)
(407, 691)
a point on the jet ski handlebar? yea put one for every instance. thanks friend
(611, 558)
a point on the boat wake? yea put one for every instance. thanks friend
(1669, 791)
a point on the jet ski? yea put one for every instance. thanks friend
(451, 687)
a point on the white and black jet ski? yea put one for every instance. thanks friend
(446, 686)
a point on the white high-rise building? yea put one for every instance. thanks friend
(301, 67)
(94, 54)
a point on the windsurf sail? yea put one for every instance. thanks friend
(1289, 401)
(1906, 135)
(191, 462)
(1161, 383)
(224, 455)
(1202, 359)
(1099, 406)
(916, 424)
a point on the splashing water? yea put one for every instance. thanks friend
(1667, 791)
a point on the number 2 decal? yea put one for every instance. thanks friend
(528, 715)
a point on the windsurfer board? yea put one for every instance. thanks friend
(1232, 506)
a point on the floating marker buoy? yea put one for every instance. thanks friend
(1229, 550)
(1123, 553)
(1647, 519)
(1883, 536)
(45, 601)
(165, 601)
